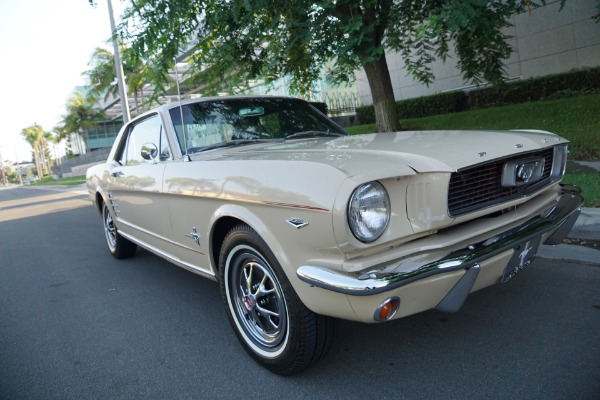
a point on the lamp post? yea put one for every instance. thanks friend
(118, 66)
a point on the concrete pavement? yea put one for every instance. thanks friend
(587, 227)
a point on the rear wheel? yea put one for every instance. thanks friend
(269, 319)
(118, 246)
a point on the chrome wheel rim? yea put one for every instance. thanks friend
(109, 229)
(257, 301)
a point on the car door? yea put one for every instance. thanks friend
(136, 183)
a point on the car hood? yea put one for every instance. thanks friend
(422, 151)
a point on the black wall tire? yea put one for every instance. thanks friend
(118, 246)
(269, 319)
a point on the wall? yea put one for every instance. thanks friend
(545, 41)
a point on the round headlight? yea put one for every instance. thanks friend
(369, 211)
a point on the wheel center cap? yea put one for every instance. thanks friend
(249, 302)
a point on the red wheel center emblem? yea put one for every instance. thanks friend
(249, 302)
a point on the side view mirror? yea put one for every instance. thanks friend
(149, 151)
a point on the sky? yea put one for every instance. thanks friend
(45, 45)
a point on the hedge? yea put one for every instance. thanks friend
(443, 103)
(534, 89)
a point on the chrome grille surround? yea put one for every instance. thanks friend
(477, 187)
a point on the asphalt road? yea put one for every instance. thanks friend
(77, 324)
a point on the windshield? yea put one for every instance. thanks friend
(220, 123)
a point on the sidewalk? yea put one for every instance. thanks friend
(587, 227)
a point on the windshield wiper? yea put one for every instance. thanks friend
(312, 134)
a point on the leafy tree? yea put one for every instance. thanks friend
(237, 40)
(33, 135)
(82, 115)
(102, 75)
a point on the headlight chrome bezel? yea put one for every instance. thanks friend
(369, 211)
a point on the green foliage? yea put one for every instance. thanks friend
(230, 42)
(590, 185)
(574, 118)
(102, 75)
(549, 87)
(82, 114)
(71, 181)
(34, 135)
(442, 103)
(559, 85)
(366, 114)
(137, 73)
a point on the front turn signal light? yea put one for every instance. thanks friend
(387, 309)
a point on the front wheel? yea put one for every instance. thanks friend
(269, 319)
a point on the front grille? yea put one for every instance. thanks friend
(480, 186)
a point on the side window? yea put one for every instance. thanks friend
(147, 131)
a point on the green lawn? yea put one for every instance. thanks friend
(589, 184)
(71, 181)
(577, 119)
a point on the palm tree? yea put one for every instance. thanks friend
(33, 135)
(102, 75)
(103, 78)
(55, 138)
(135, 75)
(82, 115)
(45, 155)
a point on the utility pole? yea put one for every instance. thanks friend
(118, 66)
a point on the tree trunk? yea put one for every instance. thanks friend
(47, 160)
(142, 96)
(384, 103)
(135, 99)
(36, 157)
(86, 138)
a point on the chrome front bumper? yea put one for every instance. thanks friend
(558, 219)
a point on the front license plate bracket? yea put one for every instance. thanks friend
(523, 256)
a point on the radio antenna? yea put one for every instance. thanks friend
(187, 156)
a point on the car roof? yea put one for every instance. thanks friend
(166, 107)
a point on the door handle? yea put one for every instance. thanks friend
(117, 174)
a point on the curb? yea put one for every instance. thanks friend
(587, 227)
(568, 252)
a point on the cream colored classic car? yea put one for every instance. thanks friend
(300, 222)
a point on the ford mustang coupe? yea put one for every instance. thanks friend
(301, 223)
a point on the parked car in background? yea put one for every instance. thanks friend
(301, 223)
